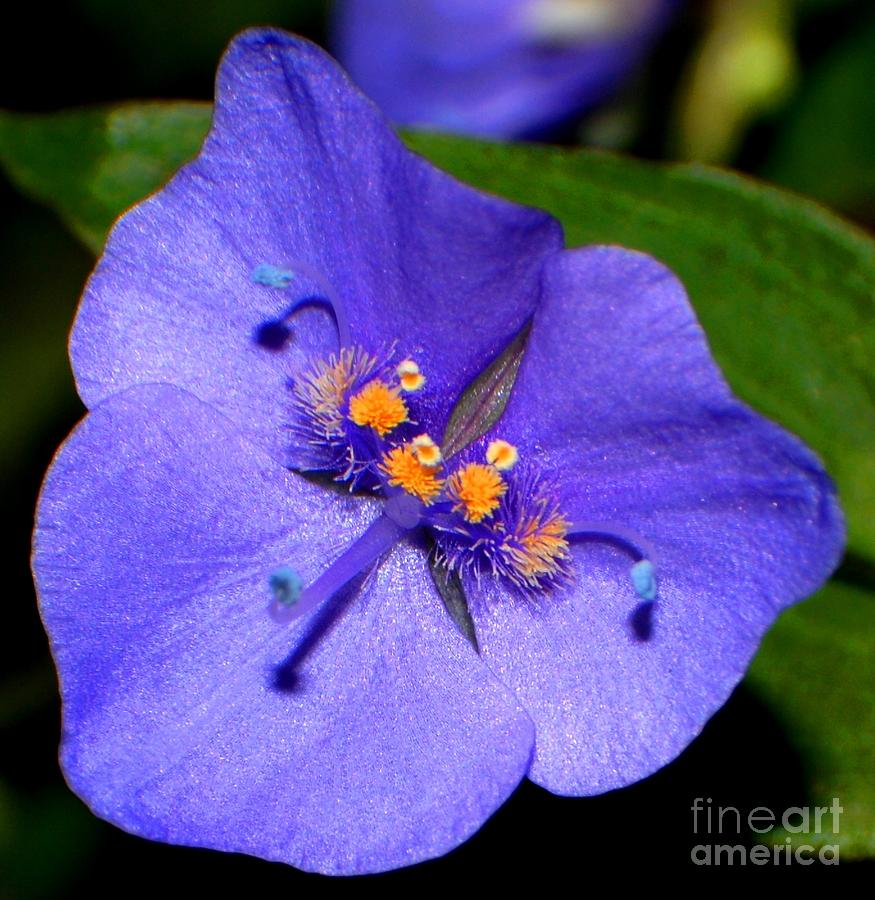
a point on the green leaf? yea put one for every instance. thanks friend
(449, 586)
(816, 672)
(92, 164)
(484, 400)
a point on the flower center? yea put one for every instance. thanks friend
(492, 515)
(484, 514)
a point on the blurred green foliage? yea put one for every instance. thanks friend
(45, 842)
(90, 165)
(816, 673)
(743, 67)
(825, 145)
(173, 39)
(39, 292)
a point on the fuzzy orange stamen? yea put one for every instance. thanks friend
(406, 471)
(542, 546)
(476, 491)
(378, 406)
(321, 391)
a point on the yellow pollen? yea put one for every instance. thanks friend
(412, 383)
(410, 377)
(322, 390)
(542, 546)
(427, 451)
(407, 472)
(502, 455)
(378, 406)
(476, 491)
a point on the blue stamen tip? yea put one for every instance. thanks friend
(286, 586)
(272, 276)
(644, 579)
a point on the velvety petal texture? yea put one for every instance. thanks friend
(301, 172)
(494, 68)
(620, 404)
(364, 739)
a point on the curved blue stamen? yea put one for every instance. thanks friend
(381, 535)
(279, 277)
(635, 545)
(643, 571)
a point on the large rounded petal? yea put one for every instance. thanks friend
(300, 171)
(640, 433)
(353, 744)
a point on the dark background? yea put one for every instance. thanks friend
(97, 51)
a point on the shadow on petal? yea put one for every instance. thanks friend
(641, 621)
(272, 335)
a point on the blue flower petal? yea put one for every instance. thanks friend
(636, 426)
(301, 173)
(364, 742)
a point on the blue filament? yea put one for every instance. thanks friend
(278, 277)
(643, 571)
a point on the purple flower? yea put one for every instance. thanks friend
(625, 533)
(495, 68)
